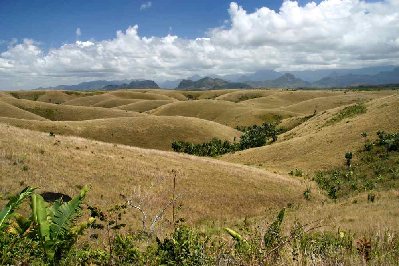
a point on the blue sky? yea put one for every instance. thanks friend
(45, 43)
(54, 22)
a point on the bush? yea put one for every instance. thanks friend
(253, 136)
(185, 247)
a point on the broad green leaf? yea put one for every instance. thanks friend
(40, 216)
(65, 213)
(13, 204)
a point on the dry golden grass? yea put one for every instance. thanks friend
(145, 95)
(213, 190)
(210, 189)
(224, 112)
(242, 95)
(355, 214)
(340, 98)
(212, 94)
(57, 97)
(115, 102)
(8, 110)
(27, 95)
(178, 95)
(144, 105)
(283, 98)
(313, 146)
(58, 112)
(145, 131)
(89, 100)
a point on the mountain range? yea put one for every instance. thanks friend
(260, 79)
(109, 85)
(210, 83)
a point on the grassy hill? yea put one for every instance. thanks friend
(144, 105)
(8, 110)
(58, 112)
(210, 189)
(224, 112)
(321, 141)
(144, 131)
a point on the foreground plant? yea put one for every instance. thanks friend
(53, 226)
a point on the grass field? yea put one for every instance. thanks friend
(119, 143)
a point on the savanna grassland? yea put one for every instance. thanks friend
(320, 187)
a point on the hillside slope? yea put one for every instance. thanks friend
(315, 145)
(210, 189)
(59, 112)
(145, 131)
(224, 112)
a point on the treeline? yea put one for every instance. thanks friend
(253, 136)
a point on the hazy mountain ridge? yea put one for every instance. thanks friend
(108, 85)
(210, 83)
(260, 79)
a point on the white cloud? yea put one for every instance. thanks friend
(334, 33)
(78, 32)
(145, 5)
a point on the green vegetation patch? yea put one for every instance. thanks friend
(347, 112)
(253, 136)
(376, 168)
(50, 236)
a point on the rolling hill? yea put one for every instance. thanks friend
(316, 144)
(154, 132)
(58, 112)
(210, 189)
(224, 112)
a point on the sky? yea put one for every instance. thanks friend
(52, 42)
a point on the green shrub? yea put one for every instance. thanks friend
(253, 136)
(185, 247)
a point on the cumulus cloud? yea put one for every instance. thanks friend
(334, 33)
(145, 5)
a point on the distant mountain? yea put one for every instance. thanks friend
(306, 75)
(265, 74)
(108, 85)
(324, 78)
(90, 85)
(134, 84)
(169, 84)
(384, 77)
(285, 81)
(210, 84)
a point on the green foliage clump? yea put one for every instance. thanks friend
(184, 247)
(212, 148)
(389, 141)
(50, 227)
(376, 168)
(348, 112)
(253, 136)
